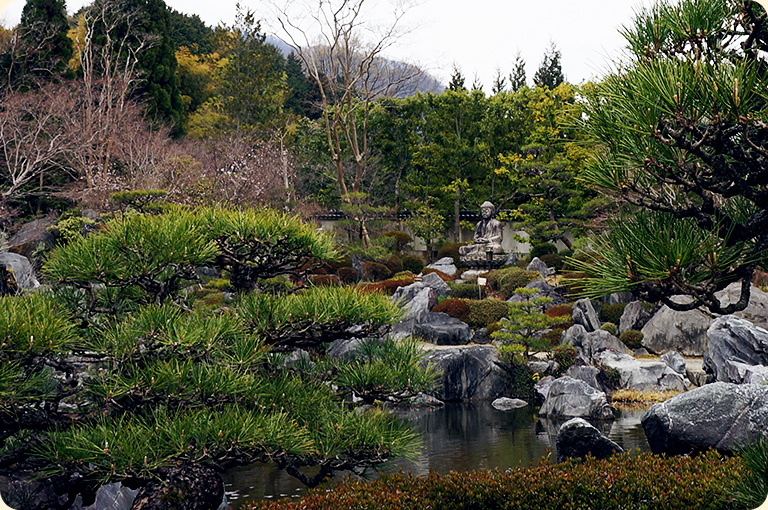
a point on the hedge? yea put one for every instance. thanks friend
(641, 482)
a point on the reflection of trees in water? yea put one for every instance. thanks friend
(458, 437)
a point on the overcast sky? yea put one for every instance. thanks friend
(478, 36)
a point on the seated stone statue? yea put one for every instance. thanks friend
(488, 236)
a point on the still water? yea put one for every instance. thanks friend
(456, 437)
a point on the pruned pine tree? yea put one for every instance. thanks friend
(680, 138)
(191, 389)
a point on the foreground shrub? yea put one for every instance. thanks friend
(611, 328)
(541, 249)
(644, 482)
(394, 263)
(346, 274)
(632, 338)
(565, 355)
(553, 260)
(505, 281)
(559, 311)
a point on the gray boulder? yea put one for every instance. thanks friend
(734, 339)
(568, 397)
(577, 438)
(445, 265)
(585, 373)
(674, 361)
(508, 404)
(480, 336)
(32, 234)
(641, 375)
(21, 268)
(434, 282)
(589, 345)
(686, 332)
(756, 311)
(343, 347)
(542, 387)
(741, 373)
(617, 298)
(584, 313)
(442, 329)
(634, 317)
(468, 373)
(538, 265)
(113, 496)
(669, 330)
(719, 415)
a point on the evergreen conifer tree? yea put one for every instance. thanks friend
(517, 77)
(549, 74)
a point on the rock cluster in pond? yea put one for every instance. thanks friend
(577, 438)
(720, 415)
(508, 404)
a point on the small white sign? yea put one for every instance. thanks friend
(482, 281)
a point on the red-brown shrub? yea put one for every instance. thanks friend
(458, 308)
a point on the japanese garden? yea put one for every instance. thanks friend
(226, 252)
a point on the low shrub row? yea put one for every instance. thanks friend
(476, 313)
(645, 481)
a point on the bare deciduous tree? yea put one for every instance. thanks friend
(330, 39)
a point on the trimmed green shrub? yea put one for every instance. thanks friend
(492, 328)
(412, 263)
(632, 338)
(505, 281)
(560, 311)
(327, 280)
(514, 354)
(450, 250)
(402, 240)
(444, 276)
(486, 311)
(612, 313)
(458, 308)
(374, 272)
(347, 275)
(611, 328)
(394, 263)
(541, 249)
(553, 260)
(465, 291)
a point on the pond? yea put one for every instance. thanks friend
(456, 437)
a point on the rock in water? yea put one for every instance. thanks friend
(720, 415)
(577, 438)
(468, 373)
(507, 404)
(568, 397)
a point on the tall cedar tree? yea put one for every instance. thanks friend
(45, 48)
(549, 73)
(190, 31)
(517, 77)
(159, 85)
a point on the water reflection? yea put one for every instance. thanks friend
(456, 437)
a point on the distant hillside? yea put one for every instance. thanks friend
(420, 82)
